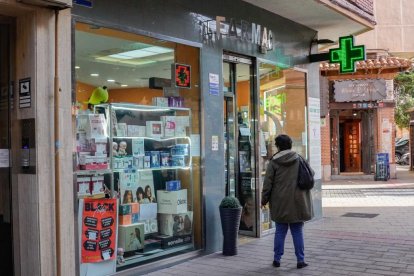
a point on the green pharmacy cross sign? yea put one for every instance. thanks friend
(347, 54)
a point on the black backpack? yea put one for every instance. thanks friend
(305, 175)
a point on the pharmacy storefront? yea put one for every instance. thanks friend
(175, 105)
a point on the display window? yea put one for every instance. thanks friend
(136, 114)
(282, 111)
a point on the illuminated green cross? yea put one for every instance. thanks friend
(347, 54)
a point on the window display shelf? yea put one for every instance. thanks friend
(154, 169)
(135, 107)
(92, 172)
(152, 138)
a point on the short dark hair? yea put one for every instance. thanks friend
(283, 142)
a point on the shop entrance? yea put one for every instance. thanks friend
(350, 142)
(239, 127)
(6, 240)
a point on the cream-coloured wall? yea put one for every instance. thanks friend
(394, 29)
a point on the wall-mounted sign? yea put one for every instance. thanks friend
(85, 3)
(347, 54)
(360, 90)
(222, 28)
(25, 97)
(182, 75)
(213, 84)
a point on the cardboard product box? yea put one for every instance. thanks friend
(99, 146)
(97, 162)
(82, 144)
(138, 162)
(125, 220)
(174, 202)
(154, 129)
(176, 224)
(135, 218)
(147, 161)
(165, 157)
(125, 209)
(121, 130)
(131, 237)
(171, 241)
(96, 126)
(173, 185)
(178, 160)
(155, 159)
(150, 226)
(181, 125)
(121, 163)
(134, 207)
(136, 131)
(138, 148)
(160, 101)
(98, 185)
(82, 157)
(168, 123)
(83, 184)
(180, 149)
(148, 211)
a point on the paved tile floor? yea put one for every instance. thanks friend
(334, 245)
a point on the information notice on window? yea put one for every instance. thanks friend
(98, 230)
(314, 118)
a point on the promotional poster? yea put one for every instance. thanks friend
(98, 230)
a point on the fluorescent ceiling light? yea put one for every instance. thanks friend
(145, 52)
(77, 67)
(110, 80)
(124, 85)
(94, 75)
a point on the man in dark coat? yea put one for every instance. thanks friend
(289, 206)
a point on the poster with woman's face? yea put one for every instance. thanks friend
(136, 186)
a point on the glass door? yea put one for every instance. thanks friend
(6, 241)
(239, 125)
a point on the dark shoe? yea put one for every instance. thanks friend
(301, 265)
(276, 264)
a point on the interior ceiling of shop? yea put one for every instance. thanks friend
(89, 47)
(329, 23)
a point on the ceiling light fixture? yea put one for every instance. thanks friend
(124, 85)
(110, 80)
(145, 52)
(77, 67)
(94, 75)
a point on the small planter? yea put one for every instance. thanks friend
(230, 222)
(230, 214)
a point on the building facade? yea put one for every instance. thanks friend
(108, 99)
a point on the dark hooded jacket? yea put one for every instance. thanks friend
(288, 203)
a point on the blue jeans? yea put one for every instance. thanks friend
(296, 229)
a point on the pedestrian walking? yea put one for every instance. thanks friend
(289, 206)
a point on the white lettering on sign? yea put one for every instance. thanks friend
(215, 30)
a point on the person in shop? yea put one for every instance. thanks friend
(148, 194)
(289, 206)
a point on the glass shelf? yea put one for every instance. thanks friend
(154, 169)
(92, 172)
(151, 138)
(135, 107)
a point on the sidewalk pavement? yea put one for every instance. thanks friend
(377, 238)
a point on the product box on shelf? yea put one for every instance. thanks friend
(150, 226)
(98, 185)
(160, 101)
(181, 124)
(135, 217)
(83, 186)
(176, 224)
(180, 149)
(120, 163)
(138, 148)
(148, 211)
(131, 237)
(99, 146)
(168, 123)
(174, 202)
(168, 241)
(154, 129)
(173, 185)
(121, 130)
(135, 207)
(138, 162)
(125, 219)
(155, 159)
(147, 161)
(175, 101)
(93, 162)
(95, 126)
(178, 160)
(165, 159)
(136, 131)
(125, 209)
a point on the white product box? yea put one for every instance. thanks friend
(174, 202)
(176, 224)
(121, 130)
(99, 145)
(168, 123)
(83, 186)
(98, 185)
(160, 101)
(150, 226)
(181, 124)
(148, 211)
(154, 129)
(138, 148)
(131, 237)
(136, 131)
(96, 126)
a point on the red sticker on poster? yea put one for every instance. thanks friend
(182, 75)
(98, 230)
